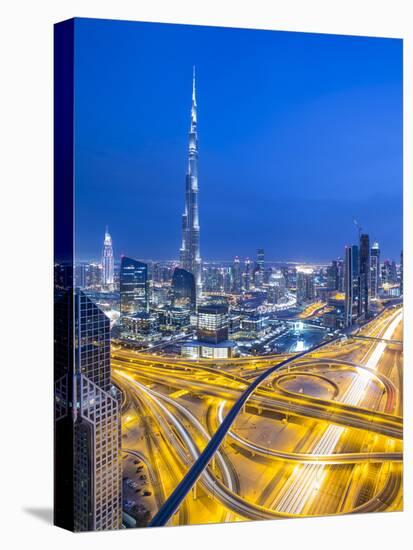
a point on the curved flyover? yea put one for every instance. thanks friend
(303, 405)
(306, 458)
(177, 496)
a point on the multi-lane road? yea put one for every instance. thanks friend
(315, 433)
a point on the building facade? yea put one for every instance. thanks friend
(212, 323)
(97, 480)
(183, 289)
(259, 269)
(212, 334)
(365, 276)
(247, 275)
(236, 276)
(134, 287)
(276, 288)
(142, 327)
(333, 276)
(305, 286)
(375, 270)
(351, 285)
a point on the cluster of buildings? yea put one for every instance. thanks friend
(163, 301)
(357, 281)
(159, 301)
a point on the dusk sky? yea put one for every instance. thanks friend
(298, 134)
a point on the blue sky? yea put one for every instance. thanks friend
(298, 134)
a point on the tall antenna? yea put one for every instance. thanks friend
(359, 228)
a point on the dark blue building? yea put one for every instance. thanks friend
(134, 288)
(183, 289)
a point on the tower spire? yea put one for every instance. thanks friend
(193, 106)
(107, 260)
(193, 87)
(189, 252)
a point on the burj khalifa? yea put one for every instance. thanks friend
(189, 253)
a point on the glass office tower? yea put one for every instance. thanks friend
(375, 270)
(134, 288)
(97, 474)
(183, 289)
(365, 276)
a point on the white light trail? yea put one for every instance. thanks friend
(307, 479)
(193, 449)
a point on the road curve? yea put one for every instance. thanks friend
(331, 458)
(177, 496)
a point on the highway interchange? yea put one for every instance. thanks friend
(309, 434)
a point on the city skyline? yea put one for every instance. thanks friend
(267, 385)
(150, 128)
(252, 257)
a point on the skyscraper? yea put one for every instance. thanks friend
(348, 286)
(97, 473)
(393, 272)
(305, 286)
(183, 289)
(63, 396)
(260, 258)
(386, 272)
(333, 276)
(375, 270)
(340, 267)
(364, 273)
(107, 260)
(259, 269)
(133, 287)
(247, 275)
(356, 278)
(276, 287)
(236, 276)
(189, 252)
(227, 276)
(351, 284)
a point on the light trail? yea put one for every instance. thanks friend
(307, 479)
(335, 458)
(301, 405)
(225, 493)
(194, 377)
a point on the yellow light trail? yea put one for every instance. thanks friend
(309, 478)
